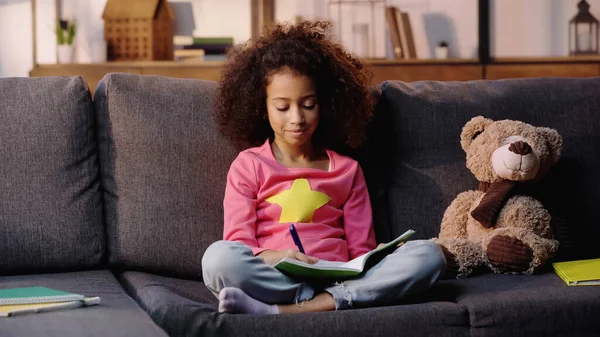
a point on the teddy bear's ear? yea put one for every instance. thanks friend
(554, 141)
(472, 129)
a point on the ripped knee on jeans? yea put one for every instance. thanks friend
(347, 295)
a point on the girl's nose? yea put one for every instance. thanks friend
(296, 116)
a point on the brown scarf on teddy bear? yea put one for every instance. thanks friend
(496, 194)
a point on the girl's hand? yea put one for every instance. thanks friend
(273, 256)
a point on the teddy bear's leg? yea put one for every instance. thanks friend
(462, 256)
(518, 250)
(522, 240)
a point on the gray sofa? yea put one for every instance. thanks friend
(119, 196)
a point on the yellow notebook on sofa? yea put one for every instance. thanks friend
(580, 272)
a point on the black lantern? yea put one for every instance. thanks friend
(583, 31)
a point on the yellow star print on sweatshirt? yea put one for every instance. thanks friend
(299, 203)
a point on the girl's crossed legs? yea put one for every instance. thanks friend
(245, 283)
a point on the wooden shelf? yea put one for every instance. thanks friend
(382, 70)
(557, 59)
(451, 61)
(135, 64)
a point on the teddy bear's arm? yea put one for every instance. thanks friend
(454, 221)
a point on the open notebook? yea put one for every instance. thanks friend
(339, 270)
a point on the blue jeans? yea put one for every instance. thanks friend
(410, 269)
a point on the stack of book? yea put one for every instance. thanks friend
(401, 34)
(18, 301)
(193, 48)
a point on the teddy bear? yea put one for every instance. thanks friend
(496, 226)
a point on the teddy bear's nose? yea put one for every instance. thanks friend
(520, 147)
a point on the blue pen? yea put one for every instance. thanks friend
(296, 238)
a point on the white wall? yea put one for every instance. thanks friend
(46, 40)
(15, 41)
(220, 17)
(454, 21)
(533, 27)
(519, 28)
(90, 26)
(432, 21)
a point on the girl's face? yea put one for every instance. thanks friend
(292, 108)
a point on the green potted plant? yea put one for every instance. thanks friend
(65, 36)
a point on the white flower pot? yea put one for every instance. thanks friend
(441, 52)
(66, 53)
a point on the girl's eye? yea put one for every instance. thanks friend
(282, 109)
(309, 107)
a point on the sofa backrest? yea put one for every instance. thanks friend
(427, 165)
(50, 200)
(163, 166)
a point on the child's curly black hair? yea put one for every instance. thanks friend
(342, 85)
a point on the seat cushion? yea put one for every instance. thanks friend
(187, 308)
(50, 199)
(164, 168)
(116, 315)
(517, 305)
(428, 167)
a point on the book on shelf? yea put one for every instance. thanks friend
(195, 48)
(394, 32)
(188, 55)
(209, 49)
(401, 33)
(215, 40)
(340, 270)
(408, 40)
(579, 272)
(188, 40)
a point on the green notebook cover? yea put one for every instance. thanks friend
(339, 270)
(224, 40)
(35, 295)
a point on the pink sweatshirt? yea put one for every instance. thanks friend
(331, 209)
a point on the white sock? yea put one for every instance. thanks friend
(234, 300)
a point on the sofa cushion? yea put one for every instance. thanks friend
(517, 305)
(427, 164)
(163, 166)
(116, 315)
(186, 308)
(50, 201)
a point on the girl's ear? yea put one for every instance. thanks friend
(472, 129)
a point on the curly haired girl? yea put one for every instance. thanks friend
(294, 95)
